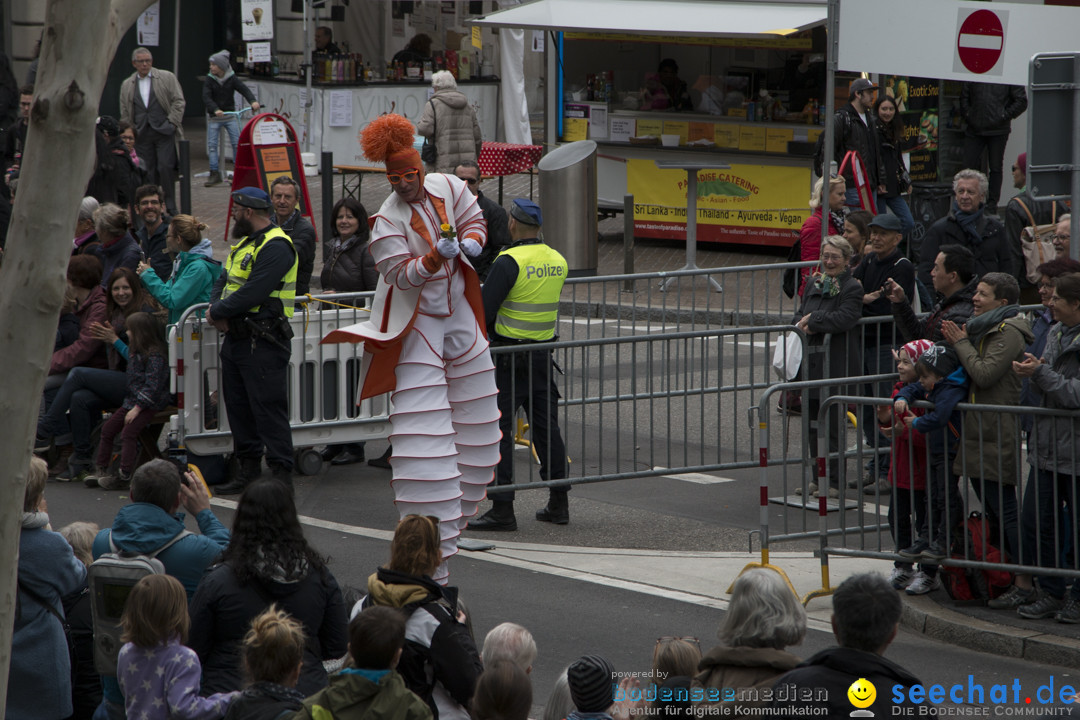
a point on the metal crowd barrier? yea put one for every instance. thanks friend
(613, 305)
(656, 399)
(1045, 513)
(322, 383)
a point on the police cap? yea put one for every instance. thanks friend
(526, 211)
(252, 197)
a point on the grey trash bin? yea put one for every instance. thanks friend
(568, 201)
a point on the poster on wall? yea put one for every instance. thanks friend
(747, 204)
(149, 26)
(918, 103)
(257, 19)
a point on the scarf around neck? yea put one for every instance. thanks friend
(979, 325)
(34, 520)
(221, 80)
(969, 222)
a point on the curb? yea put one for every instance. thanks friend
(928, 617)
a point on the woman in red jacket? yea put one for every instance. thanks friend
(810, 233)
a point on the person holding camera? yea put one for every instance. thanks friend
(883, 263)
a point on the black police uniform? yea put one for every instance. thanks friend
(255, 361)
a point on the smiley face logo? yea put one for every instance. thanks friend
(862, 693)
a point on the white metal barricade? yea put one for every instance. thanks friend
(322, 383)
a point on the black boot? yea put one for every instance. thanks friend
(282, 474)
(499, 518)
(351, 453)
(247, 472)
(383, 461)
(557, 510)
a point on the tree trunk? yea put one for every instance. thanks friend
(77, 48)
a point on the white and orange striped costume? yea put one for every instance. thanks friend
(426, 343)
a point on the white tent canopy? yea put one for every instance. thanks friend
(699, 18)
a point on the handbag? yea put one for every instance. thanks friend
(1037, 243)
(787, 356)
(428, 152)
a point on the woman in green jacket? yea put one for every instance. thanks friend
(989, 342)
(194, 272)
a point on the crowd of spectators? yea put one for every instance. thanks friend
(250, 624)
(975, 345)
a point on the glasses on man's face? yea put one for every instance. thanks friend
(471, 181)
(143, 61)
(829, 257)
(408, 175)
(1060, 236)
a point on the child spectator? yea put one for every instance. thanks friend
(589, 678)
(943, 382)
(147, 393)
(158, 676)
(503, 692)
(371, 687)
(85, 681)
(907, 469)
(273, 654)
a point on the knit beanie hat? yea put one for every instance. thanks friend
(221, 59)
(941, 359)
(590, 681)
(916, 348)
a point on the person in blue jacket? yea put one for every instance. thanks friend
(194, 272)
(942, 381)
(153, 519)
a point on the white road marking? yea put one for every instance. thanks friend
(697, 478)
(548, 568)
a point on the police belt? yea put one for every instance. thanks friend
(505, 341)
(273, 329)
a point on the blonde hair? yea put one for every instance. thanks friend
(273, 647)
(840, 243)
(817, 199)
(156, 611)
(674, 657)
(188, 230)
(80, 536)
(35, 484)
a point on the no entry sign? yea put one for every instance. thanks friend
(980, 41)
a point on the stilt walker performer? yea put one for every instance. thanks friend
(425, 341)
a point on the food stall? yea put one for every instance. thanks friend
(340, 111)
(682, 81)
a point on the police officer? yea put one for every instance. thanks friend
(521, 304)
(250, 304)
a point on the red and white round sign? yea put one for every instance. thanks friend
(981, 41)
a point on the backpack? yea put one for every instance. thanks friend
(974, 586)
(111, 578)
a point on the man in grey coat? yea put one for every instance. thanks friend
(153, 102)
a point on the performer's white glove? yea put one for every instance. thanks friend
(471, 247)
(448, 248)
